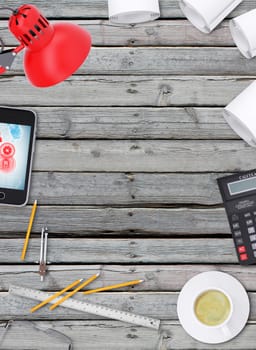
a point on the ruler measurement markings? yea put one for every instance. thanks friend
(99, 310)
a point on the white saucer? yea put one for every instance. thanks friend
(211, 280)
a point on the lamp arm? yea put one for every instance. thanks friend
(7, 57)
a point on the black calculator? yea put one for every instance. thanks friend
(239, 196)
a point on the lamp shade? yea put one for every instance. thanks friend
(133, 11)
(205, 15)
(53, 51)
(240, 114)
(243, 30)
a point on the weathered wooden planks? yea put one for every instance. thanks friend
(163, 61)
(160, 33)
(99, 8)
(125, 188)
(86, 221)
(125, 91)
(132, 123)
(143, 156)
(183, 61)
(158, 278)
(158, 305)
(124, 251)
(122, 162)
(115, 336)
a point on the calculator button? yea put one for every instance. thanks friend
(251, 230)
(241, 249)
(253, 238)
(239, 241)
(243, 257)
(249, 222)
(254, 246)
(235, 217)
(254, 253)
(247, 215)
(236, 225)
(254, 213)
(237, 233)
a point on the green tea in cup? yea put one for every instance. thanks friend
(212, 307)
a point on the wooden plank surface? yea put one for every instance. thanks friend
(99, 8)
(86, 221)
(143, 156)
(157, 278)
(126, 91)
(127, 155)
(124, 251)
(155, 33)
(162, 306)
(132, 123)
(100, 334)
(174, 61)
(127, 189)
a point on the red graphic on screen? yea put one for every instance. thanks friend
(7, 162)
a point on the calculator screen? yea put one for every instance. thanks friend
(242, 186)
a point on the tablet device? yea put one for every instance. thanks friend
(17, 134)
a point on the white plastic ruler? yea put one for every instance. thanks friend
(90, 308)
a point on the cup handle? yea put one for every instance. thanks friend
(226, 331)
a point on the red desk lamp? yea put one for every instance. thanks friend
(53, 52)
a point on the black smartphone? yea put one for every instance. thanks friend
(17, 138)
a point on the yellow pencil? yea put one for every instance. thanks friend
(74, 291)
(46, 301)
(32, 216)
(115, 286)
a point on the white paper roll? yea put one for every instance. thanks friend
(205, 15)
(240, 114)
(243, 30)
(133, 11)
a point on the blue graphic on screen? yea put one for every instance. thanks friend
(14, 147)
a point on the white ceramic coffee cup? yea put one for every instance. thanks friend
(133, 11)
(224, 325)
(205, 15)
(240, 114)
(243, 31)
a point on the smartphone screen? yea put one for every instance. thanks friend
(14, 148)
(17, 135)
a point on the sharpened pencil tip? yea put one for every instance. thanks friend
(98, 274)
(142, 281)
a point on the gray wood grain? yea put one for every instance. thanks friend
(177, 60)
(116, 335)
(87, 221)
(13, 306)
(158, 305)
(124, 251)
(144, 156)
(157, 278)
(125, 174)
(160, 33)
(132, 123)
(163, 61)
(130, 189)
(125, 91)
(99, 8)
